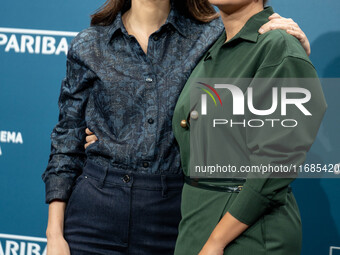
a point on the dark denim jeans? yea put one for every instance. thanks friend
(115, 211)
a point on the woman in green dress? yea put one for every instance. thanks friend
(257, 214)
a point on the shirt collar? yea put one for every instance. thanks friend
(175, 19)
(178, 21)
(117, 25)
(250, 30)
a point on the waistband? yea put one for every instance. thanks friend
(228, 187)
(122, 177)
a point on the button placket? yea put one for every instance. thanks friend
(150, 117)
(148, 79)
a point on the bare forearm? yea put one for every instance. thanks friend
(228, 229)
(225, 232)
(55, 225)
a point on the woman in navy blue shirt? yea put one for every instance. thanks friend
(124, 76)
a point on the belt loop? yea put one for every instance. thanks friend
(164, 186)
(102, 179)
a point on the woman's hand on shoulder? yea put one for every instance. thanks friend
(291, 27)
(90, 137)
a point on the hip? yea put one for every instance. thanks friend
(115, 211)
(277, 232)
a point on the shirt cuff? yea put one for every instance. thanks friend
(58, 188)
(249, 206)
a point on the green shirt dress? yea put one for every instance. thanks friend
(267, 205)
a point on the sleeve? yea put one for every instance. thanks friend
(67, 154)
(278, 145)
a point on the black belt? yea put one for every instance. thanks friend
(226, 188)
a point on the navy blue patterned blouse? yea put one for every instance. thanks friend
(127, 98)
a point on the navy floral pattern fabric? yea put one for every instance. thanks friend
(124, 96)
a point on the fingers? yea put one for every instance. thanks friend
(280, 23)
(91, 138)
(302, 38)
(88, 132)
(274, 16)
(297, 34)
(88, 144)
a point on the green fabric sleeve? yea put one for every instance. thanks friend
(279, 145)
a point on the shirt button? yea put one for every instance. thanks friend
(183, 123)
(145, 164)
(151, 121)
(149, 80)
(126, 178)
(156, 38)
(194, 115)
